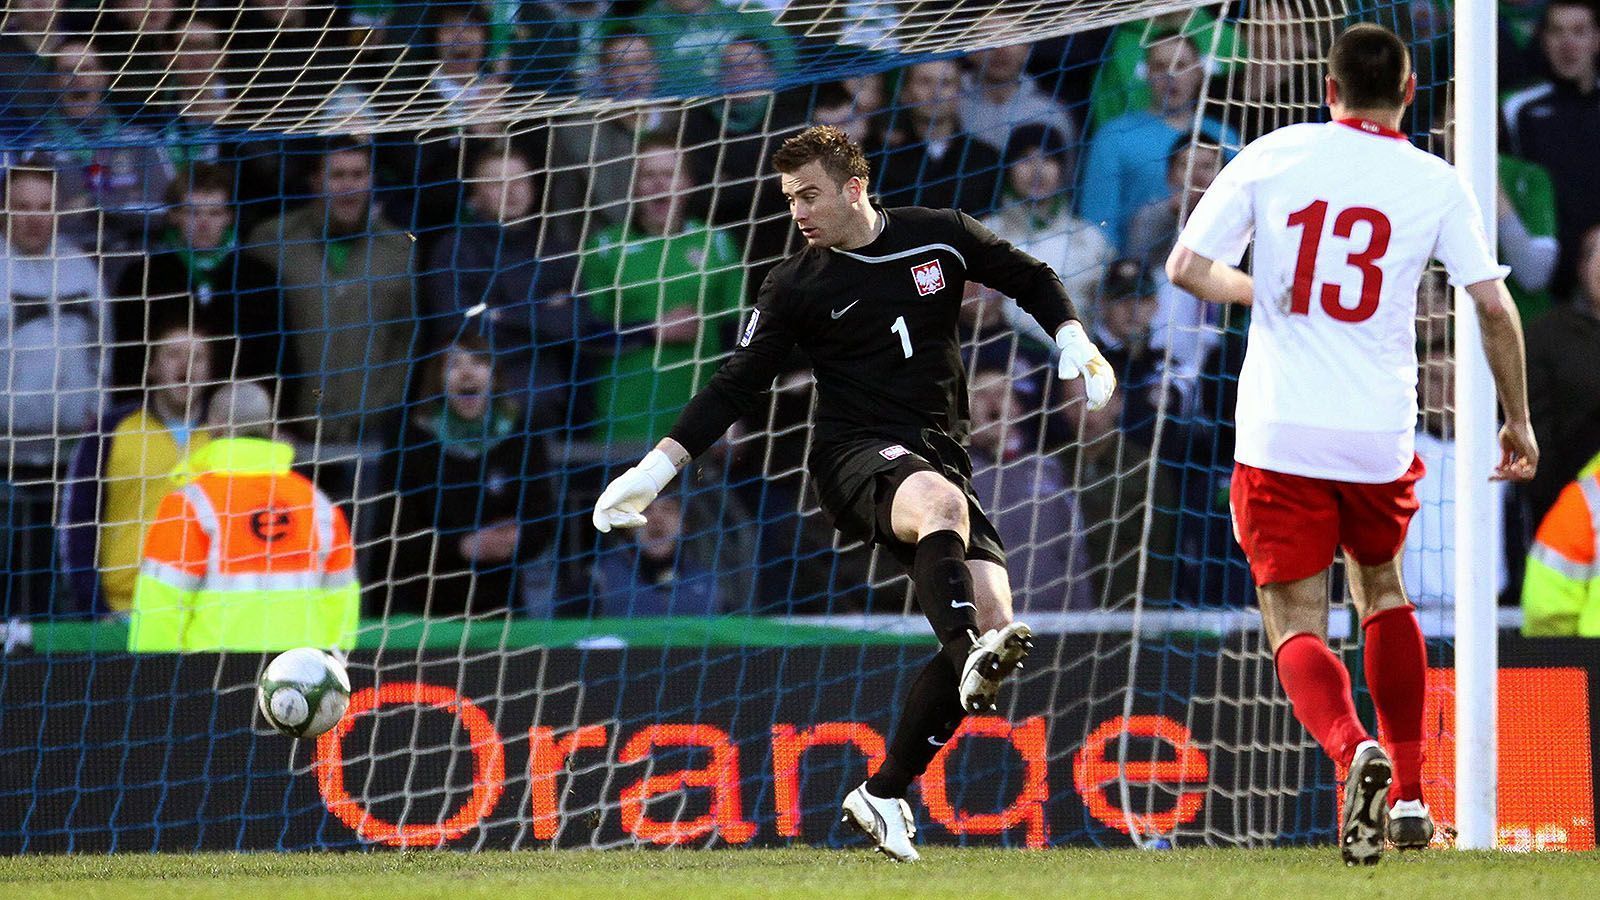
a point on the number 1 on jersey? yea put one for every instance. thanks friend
(899, 327)
(1311, 219)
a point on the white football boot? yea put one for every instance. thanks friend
(887, 822)
(1366, 805)
(1410, 825)
(994, 656)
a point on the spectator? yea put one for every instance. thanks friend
(1561, 586)
(1525, 224)
(29, 32)
(934, 164)
(592, 157)
(1122, 332)
(653, 572)
(1121, 83)
(1557, 125)
(462, 80)
(1191, 168)
(198, 277)
(348, 299)
(494, 277)
(1114, 486)
(558, 45)
(1183, 324)
(1525, 221)
(242, 512)
(1000, 97)
(736, 136)
(1564, 383)
(105, 164)
(1127, 165)
(134, 37)
(1278, 78)
(687, 36)
(835, 105)
(1026, 494)
(800, 571)
(670, 285)
(54, 328)
(292, 57)
(473, 492)
(869, 24)
(1428, 560)
(1517, 45)
(198, 95)
(119, 477)
(1037, 217)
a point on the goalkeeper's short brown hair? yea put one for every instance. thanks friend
(1371, 65)
(840, 157)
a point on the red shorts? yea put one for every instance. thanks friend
(1290, 525)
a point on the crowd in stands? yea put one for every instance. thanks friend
(460, 325)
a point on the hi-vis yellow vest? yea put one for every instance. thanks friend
(246, 556)
(1561, 590)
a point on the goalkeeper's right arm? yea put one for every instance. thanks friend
(737, 389)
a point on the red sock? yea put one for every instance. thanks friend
(1319, 689)
(1397, 675)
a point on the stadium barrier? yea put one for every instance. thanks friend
(596, 747)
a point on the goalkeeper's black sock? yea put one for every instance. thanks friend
(931, 714)
(944, 591)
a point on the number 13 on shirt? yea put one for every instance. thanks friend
(1311, 220)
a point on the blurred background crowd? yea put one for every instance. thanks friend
(465, 322)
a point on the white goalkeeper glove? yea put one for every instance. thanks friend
(622, 503)
(1079, 356)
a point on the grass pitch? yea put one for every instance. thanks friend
(1296, 874)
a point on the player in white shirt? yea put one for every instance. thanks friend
(1344, 217)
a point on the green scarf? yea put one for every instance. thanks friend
(1040, 213)
(202, 264)
(744, 116)
(70, 139)
(472, 438)
(338, 251)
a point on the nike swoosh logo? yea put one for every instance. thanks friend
(839, 312)
(959, 605)
(936, 742)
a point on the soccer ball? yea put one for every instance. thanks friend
(303, 692)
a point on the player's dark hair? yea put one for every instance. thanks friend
(840, 157)
(1371, 66)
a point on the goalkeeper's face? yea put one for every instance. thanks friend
(827, 213)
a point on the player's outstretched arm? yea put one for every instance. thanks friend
(994, 262)
(739, 386)
(622, 503)
(1208, 279)
(1502, 344)
(1079, 356)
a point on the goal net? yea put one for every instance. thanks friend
(476, 257)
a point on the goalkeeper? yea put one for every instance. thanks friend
(873, 300)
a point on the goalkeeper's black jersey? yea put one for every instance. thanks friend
(879, 325)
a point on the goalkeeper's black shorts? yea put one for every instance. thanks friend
(856, 481)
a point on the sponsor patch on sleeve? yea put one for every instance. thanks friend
(750, 328)
(894, 452)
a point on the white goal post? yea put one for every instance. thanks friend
(1477, 513)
